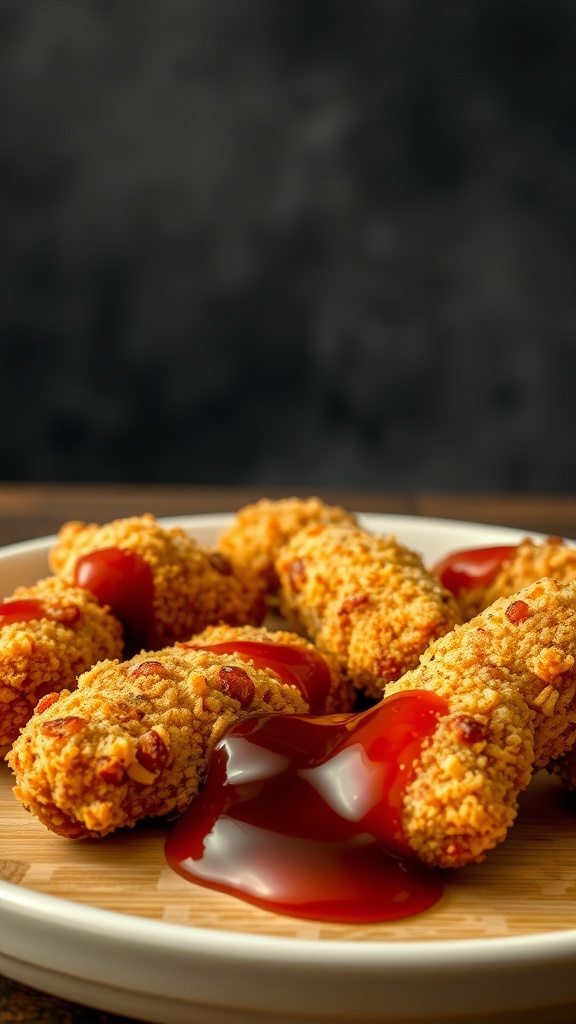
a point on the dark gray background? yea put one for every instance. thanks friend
(277, 242)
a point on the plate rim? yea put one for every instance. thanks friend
(383, 959)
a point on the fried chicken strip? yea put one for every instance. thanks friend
(133, 740)
(49, 634)
(258, 532)
(509, 678)
(365, 599)
(190, 586)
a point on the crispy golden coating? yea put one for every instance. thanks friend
(133, 740)
(340, 697)
(47, 653)
(509, 678)
(531, 561)
(365, 599)
(254, 539)
(193, 586)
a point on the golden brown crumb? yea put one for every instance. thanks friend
(254, 539)
(193, 586)
(133, 740)
(46, 654)
(365, 599)
(510, 683)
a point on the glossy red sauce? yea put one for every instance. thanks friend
(123, 580)
(25, 610)
(301, 815)
(477, 567)
(293, 665)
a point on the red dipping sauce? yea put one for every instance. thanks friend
(294, 665)
(24, 610)
(123, 580)
(301, 815)
(463, 570)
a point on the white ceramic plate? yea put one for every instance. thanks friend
(171, 973)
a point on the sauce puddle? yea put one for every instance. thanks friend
(301, 815)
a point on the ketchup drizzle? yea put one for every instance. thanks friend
(476, 567)
(293, 665)
(123, 581)
(301, 815)
(24, 610)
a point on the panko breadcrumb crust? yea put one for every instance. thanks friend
(257, 533)
(365, 599)
(510, 681)
(133, 740)
(47, 654)
(193, 586)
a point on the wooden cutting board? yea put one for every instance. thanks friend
(526, 886)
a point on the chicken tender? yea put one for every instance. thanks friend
(49, 634)
(509, 679)
(132, 741)
(258, 532)
(365, 599)
(171, 588)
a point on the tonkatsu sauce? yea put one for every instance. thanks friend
(301, 815)
(123, 581)
(23, 610)
(294, 665)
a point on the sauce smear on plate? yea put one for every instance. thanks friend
(301, 815)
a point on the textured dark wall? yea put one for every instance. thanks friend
(275, 242)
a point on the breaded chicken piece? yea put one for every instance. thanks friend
(253, 540)
(337, 694)
(365, 599)
(53, 633)
(509, 678)
(530, 561)
(191, 586)
(133, 740)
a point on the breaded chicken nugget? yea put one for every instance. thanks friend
(509, 678)
(254, 539)
(326, 689)
(133, 740)
(161, 583)
(49, 634)
(365, 599)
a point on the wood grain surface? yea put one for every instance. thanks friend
(526, 886)
(30, 510)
